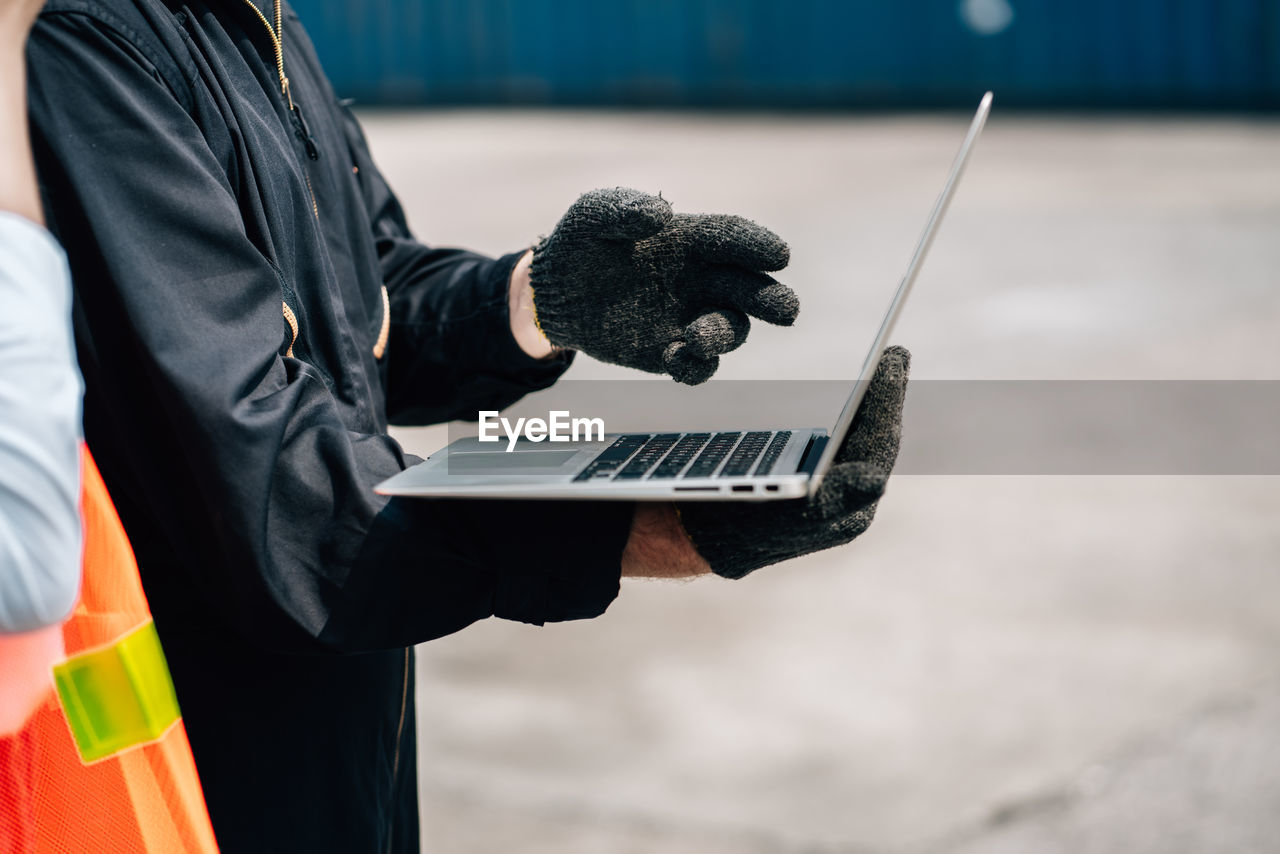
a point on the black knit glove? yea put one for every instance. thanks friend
(627, 281)
(736, 539)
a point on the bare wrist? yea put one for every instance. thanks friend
(659, 547)
(523, 313)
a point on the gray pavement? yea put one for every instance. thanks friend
(1002, 664)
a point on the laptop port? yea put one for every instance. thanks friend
(771, 487)
(744, 487)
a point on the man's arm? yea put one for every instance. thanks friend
(39, 384)
(657, 546)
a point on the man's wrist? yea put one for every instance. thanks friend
(523, 313)
(659, 547)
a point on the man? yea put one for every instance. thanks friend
(251, 313)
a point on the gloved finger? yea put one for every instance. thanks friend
(757, 294)
(877, 428)
(687, 367)
(718, 331)
(617, 214)
(849, 487)
(726, 239)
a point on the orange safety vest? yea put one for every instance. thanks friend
(107, 764)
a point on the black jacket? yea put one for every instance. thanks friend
(204, 221)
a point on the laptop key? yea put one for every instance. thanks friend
(647, 456)
(680, 455)
(770, 456)
(612, 457)
(744, 456)
(623, 448)
(712, 455)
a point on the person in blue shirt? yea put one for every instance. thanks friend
(39, 381)
(39, 442)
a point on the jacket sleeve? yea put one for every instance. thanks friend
(237, 456)
(451, 349)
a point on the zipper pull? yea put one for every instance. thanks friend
(303, 133)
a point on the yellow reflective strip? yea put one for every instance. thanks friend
(117, 696)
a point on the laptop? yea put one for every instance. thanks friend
(735, 465)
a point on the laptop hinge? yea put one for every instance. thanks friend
(812, 453)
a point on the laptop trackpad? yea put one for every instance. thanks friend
(503, 463)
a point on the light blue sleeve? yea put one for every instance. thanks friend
(40, 394)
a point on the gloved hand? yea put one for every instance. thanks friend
(627, 281)
(736, 539)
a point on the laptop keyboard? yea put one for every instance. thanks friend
(687, 455)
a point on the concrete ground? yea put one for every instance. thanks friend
(1002, 664)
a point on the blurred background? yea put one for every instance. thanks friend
(1002, 663)
(837, 53)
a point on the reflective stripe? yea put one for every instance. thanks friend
(117, 696)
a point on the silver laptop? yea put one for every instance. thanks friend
(661, 466)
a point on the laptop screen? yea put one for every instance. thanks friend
(881, 341)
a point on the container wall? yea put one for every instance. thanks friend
(855, 53)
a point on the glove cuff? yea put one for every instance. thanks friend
(728, 549)
(554, 312)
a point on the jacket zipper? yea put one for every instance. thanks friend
(291, 319)
(303, 133)
(299, 129)
(295, 113)
(380, 346)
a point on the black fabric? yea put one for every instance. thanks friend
(283, 588)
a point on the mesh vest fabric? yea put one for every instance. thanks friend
(146, 799)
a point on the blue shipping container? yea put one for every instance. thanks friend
(1216, 54)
